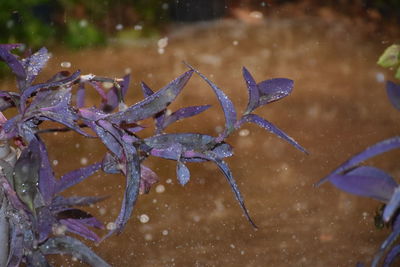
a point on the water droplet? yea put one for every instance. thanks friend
(127, 70)
(244, 132)
(65, 64)
(138, 27)
(84, 161)
(55, 162)
(59, 229)
(148, 237)
(380, 77)
(111, 226)
(163, 42)
(256, 15)
(161, 51)
(160, 188)
(235, 43)
(144, 218)
(102, 211)
(119, 27)
(165, 232)
(232, 245)
(169, 181)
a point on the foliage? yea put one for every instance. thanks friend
(369, 181)
(38, 211)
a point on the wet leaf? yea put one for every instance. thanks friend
(271, 128)
(77, 227)
(34, 64)
(115, 95)
(274, 89)
(183, 173)
(366, 181)
(393, 92)
(72, 246)
(47, 181)
(183, 113)
(252, 87)
(390, 56)
(76, 176)
(153, 104)
(372, 151)
(226, 103)
(392, 255)
(392, 206)
(147, 179)
(80, 96)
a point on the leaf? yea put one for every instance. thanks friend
(392, 255)
(372, 151)
(252, 90)
(153, 104)
(393, 92)
(47, 181)
(36, 258)
(228, 175)
(182, 173)
(226, 103)
(393, 236)
(274, 89)
(366, 181)
(147, 179)
(390, 56)
(188, 141)
(80, 96)
(76, 176)
(392, 206)
(183, 113)
(76, 227)
(115, 95)
(16, 247)
(72, 246)
(15, 66)
(271, 128)
(61, 203)
(146, 89)
(34, 64)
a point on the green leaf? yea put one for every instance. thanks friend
(397, 75)
(390, 57)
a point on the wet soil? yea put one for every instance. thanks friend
(338, 107)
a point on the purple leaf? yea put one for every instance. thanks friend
(393, 236)
(393, 92)
(183, 173)
(271, 128)
(146, 89)
(34, 64)
(77, 227)
(391, 256)
(147, 179)
(183, 113)
(72, 246)
(15, 65)
(47, 181)
(372, 151)
(222, 150)
(44, 223)
(61, 203)
(60, 83)
(36, 258)
(76, 176)
(252, 87)
(274, 89)
(80, 96)
(8, 99)
(113, 96)
(366, 181)
(189, 141)
(228, 175)
(152, 104)
(226, 103)
(16, 247)
(392, 206)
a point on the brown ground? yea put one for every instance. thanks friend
(337, 109)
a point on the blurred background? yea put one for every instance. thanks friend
(338, 108)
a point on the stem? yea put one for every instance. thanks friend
(4, 230)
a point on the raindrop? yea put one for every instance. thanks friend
(55, 162)
(161, 51)
(380, 77)
(148, 237)
(127, 70)
(111, 226)
(163, 42)
(165, 232)
(235, 43)
(65, 64)
(119, 27)
(144, 218)
(232, 245)
(84, 161)
(256, 14)
(165, 6)
(102, 211)
(169, 181)
(244, 132)
(160, 188)
(138, 27)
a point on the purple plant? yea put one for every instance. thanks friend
(39, 217)
(368, 181)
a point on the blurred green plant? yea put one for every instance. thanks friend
(80, 33)
(391, 59)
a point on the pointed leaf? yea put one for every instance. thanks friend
(47, 181)
(80, 96)
(146, 89)
(182, 173)
(153, 104)
(15, 65)
(372, 151)
(188, 141)
(147, 179)
(393, 92)
(63, 203)
(35, 63)
(226, 103)
(393, 236)
(76, 227)
(183, 113)
(274, 89)
(271, 128)
(76, 176)
(253, 91)
(392, 206)
(72, 246)
(366, 181)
